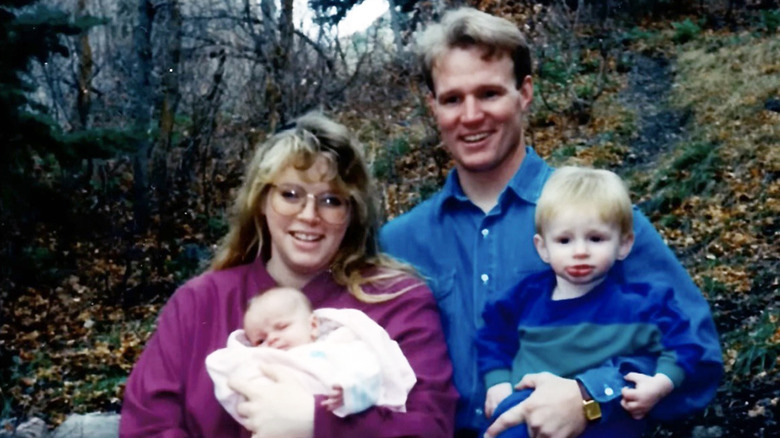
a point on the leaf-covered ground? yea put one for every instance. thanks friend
(691, 125)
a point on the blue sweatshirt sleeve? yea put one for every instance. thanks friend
(680, 351)
(651, 261)
(705, 368)
(683, 353)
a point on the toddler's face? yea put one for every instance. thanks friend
(581, 247)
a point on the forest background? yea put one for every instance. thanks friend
(127, 125)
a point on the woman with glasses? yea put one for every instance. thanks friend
(305, 218)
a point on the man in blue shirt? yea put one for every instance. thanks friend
(474, 238)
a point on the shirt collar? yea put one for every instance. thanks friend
(528, 181)
(526, 184)
(452, 188)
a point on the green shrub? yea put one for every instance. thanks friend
(554, 70)
(426, 190)
(384, 163)
(217, 226)
(561, 154)
(188, 262)
(585, 92)
(769, 21)
(713, 287)
(638, 34)
(757, 351)
(685, 31)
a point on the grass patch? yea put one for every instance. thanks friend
(755, 348)
(694, 173)
(729, 84)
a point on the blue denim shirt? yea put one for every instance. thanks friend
(469, 257)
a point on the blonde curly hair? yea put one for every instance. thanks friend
(313, 136)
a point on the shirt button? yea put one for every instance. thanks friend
(485, 232)
(484, 278)
(608, 391)
(479, 412)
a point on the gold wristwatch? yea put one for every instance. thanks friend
(590, 407)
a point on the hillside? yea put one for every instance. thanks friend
(688, 114)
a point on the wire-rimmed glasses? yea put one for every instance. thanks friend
(291, 199)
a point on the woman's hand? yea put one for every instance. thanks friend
(280, 409)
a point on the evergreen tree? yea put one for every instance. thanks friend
(35, 154)
(30, 139)
(27, 33)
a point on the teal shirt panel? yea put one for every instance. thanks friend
(569, 350)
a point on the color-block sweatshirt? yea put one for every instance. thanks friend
(526, 331)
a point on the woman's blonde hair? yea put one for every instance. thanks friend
(584, 188)
(312, 136)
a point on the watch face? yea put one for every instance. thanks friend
(592, 410)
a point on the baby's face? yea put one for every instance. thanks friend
(276, 325)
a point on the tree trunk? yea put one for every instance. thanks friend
(85, 68)
(397, 26)
(170, 25)
(282, 72)
(142, 112)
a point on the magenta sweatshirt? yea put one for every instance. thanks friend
(169, 393)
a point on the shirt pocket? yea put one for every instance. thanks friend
(442, 283)
(443, 286)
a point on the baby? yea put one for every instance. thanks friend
(339, 353)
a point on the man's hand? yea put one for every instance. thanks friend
(553, 410)
(495, 395)
(647, 391)
(275, 410)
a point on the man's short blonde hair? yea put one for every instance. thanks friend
(587, 190)
(468, 27)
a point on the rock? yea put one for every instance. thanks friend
(772, 105)
(32, 428)
(92, 425)
(707, 432)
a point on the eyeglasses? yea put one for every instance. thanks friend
(290, 199)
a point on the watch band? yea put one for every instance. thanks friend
(584, 392)
(590, 407)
